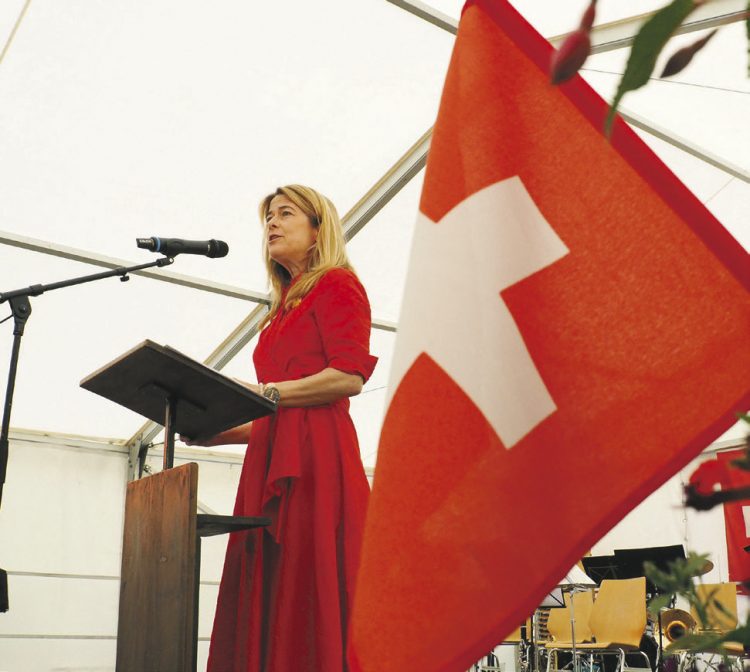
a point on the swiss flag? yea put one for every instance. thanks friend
(575, 329)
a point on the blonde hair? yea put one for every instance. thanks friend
(327, 252)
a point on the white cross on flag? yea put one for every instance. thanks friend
(574, 330)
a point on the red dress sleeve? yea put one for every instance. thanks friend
(342, 313)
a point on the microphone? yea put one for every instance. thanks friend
(174, 246)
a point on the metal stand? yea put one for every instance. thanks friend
(660, 652)
(170, 416)
(575, 581)
(536, 658)
(21, 309)
(576, 666)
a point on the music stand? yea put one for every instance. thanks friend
(630, 561)
(574, 580)
(600, 567)
(168, 387)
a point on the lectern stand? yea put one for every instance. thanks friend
(158, 615)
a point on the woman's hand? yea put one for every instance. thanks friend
(250, 386)
(235, 435)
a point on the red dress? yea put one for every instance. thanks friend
(285, 591)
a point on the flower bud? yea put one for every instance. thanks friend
(587, 20)
(574, 51)
(680, 59)
(571, 55)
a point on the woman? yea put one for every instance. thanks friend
(286, 590)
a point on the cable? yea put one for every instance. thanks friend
(718, 191)
(670, 81)
(372, 389)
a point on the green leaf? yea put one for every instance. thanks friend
(701, 642)
(664, 580)
(695, 564)
(658, 603)
(679, 575)
(740, 635)
(722, 609)
(647, 46)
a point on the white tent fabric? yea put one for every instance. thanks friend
(121, 120)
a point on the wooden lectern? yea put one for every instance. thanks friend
(157, 628)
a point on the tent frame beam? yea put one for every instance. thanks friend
(75, 254)
(606, 36)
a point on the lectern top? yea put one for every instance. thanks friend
(207, 402)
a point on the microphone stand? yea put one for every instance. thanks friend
(21, 308)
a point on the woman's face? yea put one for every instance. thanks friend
(289, 234)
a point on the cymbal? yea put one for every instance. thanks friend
(707, 567)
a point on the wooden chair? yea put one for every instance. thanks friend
(719, 620)
(559, 625)
(618, 621)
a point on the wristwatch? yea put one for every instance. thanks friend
(271, 392)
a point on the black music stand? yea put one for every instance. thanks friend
(600, 567)
(168, 387)
(630, 561)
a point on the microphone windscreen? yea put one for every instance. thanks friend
(218, 248)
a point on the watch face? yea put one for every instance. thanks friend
(270, 392)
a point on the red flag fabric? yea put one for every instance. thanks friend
(574, 330)
(736, 516)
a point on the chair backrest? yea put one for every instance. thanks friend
(718, 619)
(558, 623)
(583, 605)
(619, 613)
